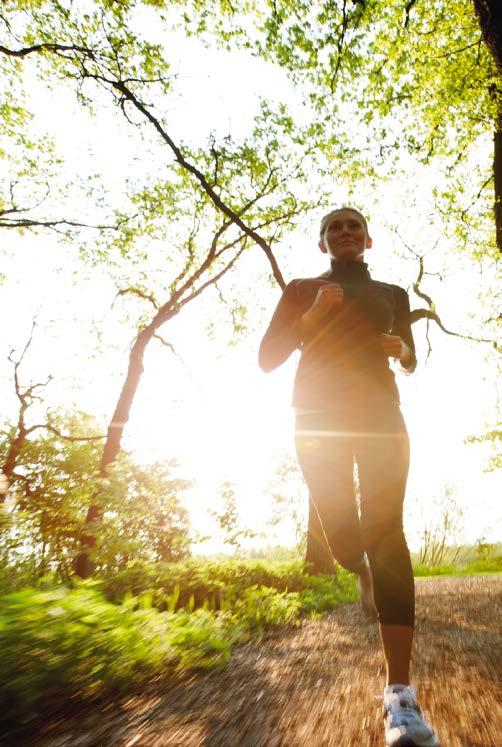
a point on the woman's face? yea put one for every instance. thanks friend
(345, 236)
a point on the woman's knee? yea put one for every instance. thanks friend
(386, 548)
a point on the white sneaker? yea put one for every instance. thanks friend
(405, 725)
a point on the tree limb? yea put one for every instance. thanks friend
(409, 5)
(192, 169)
(339, 45)
(141, 294)
(65, 437)
(126, 94)
(431, 314)
(46, 47)
(171, 347)
(26, 398)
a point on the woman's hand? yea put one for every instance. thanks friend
(328, 297)
(395, 347)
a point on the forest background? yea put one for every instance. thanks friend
(164, 170)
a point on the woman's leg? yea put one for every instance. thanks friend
(326, 459)
(397, 642)
(383, 459)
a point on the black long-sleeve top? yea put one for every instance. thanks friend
(346, 359)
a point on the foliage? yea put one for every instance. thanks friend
(65, 644)
(399, 84)
(260, 607)
(288, 500)
(483, 557)
(381, 80)
(195, 583)
(494, 438)
(73, 644)
(227, 518)
(143, 515)
(104, 55)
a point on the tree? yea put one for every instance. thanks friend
(228, 518)
(382, 65)
(21, 432)
(143, 517)
(229, 192)
(417, 77)
(489, 14)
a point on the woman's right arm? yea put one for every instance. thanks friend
(284, 331)
(295, 327)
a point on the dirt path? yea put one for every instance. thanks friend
(315, 686)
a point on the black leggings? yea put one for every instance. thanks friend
(327, 443)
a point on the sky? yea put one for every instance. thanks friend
(216, 411)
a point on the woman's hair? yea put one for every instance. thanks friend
(328, 216)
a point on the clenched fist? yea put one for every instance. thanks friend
(394, 347)
(328, 297)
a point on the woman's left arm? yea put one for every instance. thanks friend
(402, 328)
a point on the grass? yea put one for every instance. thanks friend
(478, 566)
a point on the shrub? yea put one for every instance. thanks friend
(60, 644)
(262, 607)
(75, 644)
(216, 584)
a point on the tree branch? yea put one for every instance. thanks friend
(409, 5)
(29, 223)
(215, 278)
(171, 347)
(65, 437)
(431, 314)
(46, 47)
(339, 46)
(457, 51)
(141, 294)
(208, 189)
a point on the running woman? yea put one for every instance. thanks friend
(347, 409)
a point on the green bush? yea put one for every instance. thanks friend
(260, 608)
(75, 644)
(215, 584)
(324, 593)
(60, 644)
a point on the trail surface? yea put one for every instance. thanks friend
(316, 686)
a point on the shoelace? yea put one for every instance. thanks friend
(402, 699)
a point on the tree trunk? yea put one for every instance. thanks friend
(497, 173)
(10, 463)
(489, 13)
(84, 565)
(318, 555)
